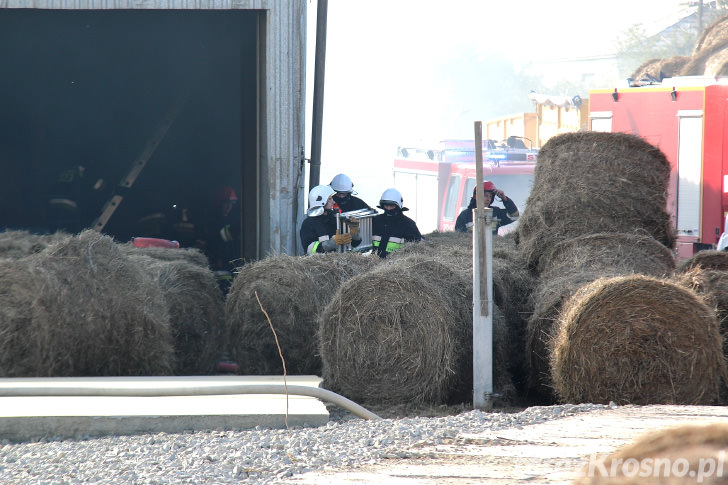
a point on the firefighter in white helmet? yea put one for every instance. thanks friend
(318, 231)
(392, 229)
(345, 199)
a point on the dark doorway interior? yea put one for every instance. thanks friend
(92, 87)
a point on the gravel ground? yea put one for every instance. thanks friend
(258, 456)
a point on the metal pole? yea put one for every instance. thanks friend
(318, 93)
(482, 303)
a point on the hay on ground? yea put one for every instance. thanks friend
(292, 291)
(686, 454)
(637, 340)
(594, 182)
(80, 307)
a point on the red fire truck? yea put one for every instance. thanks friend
(687, 118)
(438, 181)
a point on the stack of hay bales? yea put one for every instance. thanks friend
(410, 339)
(290, 291)
(637, 340)
(80, 307)
(194, 302)
(598, 210)
(567, 267)
(687, 454)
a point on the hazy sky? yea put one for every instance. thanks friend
(385, 83)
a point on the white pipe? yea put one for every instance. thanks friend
(227, 389)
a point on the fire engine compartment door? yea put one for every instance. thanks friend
(689, 171)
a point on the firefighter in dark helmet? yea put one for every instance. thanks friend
(222, 236)
(392, 229)
(501, 216)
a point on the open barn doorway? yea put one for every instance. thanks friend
(105, 89)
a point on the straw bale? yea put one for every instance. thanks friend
(707, 259)
(80, 307)
(715, 64)
(639, 340)
(567, 267)
(195, 305)
(19, 243)
(409, 340)
(712, 35)
(685, 454)
(667, 67)
(594, 182)
(292, 290)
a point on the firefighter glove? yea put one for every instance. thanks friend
(353, 226)
(342, 238)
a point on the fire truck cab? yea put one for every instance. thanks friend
(687, 118)
(440, 180)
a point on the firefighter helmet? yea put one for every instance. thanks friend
(488, 186)
(342, 183)
(227, 194)
(317, 199)
(391, 197)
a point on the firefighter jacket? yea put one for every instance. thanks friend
(390, 232)
(503, 217)
(317, 229)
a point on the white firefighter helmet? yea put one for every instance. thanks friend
(391, 196)
(342, 183)
(317, 199)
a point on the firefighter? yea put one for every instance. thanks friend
(392, 229)
(344, 198)
(501, 216)
(222, 236)
(318, 232)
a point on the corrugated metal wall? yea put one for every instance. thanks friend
(281, 105)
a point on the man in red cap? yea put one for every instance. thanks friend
(502, 217)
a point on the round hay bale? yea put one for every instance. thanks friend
(399, 334)
(80, 307)
(714, 34)
(655, 67)
(686, 454)
(595, 182)
(292, 291)
(16, 244)
(638, 340)
(195, 305)
(635, 252)
(708, 259)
